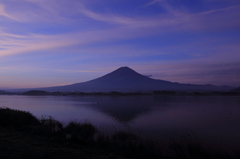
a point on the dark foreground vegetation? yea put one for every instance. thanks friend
(24, 136)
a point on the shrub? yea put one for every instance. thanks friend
(17, 118)
(36, 92)
(85, 131)
(51, 124)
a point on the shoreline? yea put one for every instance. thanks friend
(119, 93)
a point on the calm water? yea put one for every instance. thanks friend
(209, 118)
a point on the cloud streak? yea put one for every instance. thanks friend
(4, 13)
(164, 23)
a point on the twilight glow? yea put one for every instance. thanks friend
(57, 42)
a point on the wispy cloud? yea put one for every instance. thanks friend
(174, 20)
(154, 2)
(135, 22)
(31, 11)
(106, 18)
(3, 13)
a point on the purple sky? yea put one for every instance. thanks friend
(58, 42)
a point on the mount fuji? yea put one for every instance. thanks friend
(125, 79)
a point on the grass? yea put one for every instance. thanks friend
(24, 136)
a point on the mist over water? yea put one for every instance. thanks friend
(209, 118)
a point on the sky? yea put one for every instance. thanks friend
(58, 42)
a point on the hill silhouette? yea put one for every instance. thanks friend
(236, 90)
(126, 79)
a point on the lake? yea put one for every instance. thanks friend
(211, 119)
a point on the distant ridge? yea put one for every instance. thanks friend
(126, 79)
(236, 90)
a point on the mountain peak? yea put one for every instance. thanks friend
(124, 71)
(125, 68)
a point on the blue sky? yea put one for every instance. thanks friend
(57, 42)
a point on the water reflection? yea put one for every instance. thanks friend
(124, 109)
